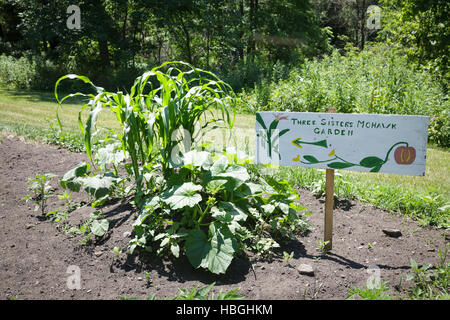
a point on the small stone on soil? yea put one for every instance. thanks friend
(306, 269)
(394, 233)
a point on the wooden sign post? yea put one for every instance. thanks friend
(329, 204)
(361, 142)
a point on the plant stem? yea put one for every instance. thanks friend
(203, 213)
(194, 216)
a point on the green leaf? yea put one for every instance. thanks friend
(321, 143)
(238, 175)
(268, 208)
(311, 159)
(112, 153)
(282, 132)
(340, 165)
(229, 209)
(223, 247)
(215, 255)
(283, 207)
(273, 125)
(203, 292)
(182, 196)
(413, 264)
(198, 159)
(175, 248)
(250, 189)
(99, 228)
(99, 186)
(219, 166)
(370, 162)
(71, 179)
(215, 186)
(197, 248)
(376, 168)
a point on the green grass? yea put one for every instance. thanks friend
(30, 114)
(37, 109)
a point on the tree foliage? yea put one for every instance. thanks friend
(125, 35)
(422, 27)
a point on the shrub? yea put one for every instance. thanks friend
(32, 72)
(17, 73)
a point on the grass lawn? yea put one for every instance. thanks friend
(31, 114)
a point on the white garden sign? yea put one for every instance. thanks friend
(363, 142)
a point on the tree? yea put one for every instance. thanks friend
(423, 28)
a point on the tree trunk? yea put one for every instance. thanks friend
(363, 23)
(251, 46)
(240, 48)
(124, 27)
(208, 36)
(187, 39)
(104, 54)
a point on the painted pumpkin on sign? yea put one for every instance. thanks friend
(405, 155)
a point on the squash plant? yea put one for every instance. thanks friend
(214, 210)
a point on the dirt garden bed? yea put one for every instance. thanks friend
(36, 253)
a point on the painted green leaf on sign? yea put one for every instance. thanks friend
(376, 168)
(260, 121)
(311, 159)
(370, 162)
(282, 132)
(340, 165)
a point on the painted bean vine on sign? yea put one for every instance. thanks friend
(403, 155)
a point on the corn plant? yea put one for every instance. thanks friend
(158, 106)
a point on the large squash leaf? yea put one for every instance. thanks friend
(111, 153)
(215, 254)
(228, 209)
(182, 196)
(235, 174)
(195, 158)
(100, 185)
(72, 179)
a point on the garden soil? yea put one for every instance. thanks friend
(38, 256)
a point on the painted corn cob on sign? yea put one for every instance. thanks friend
(362, 142)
